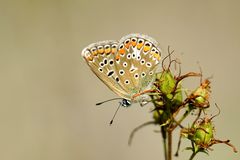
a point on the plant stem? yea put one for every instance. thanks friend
(188, 110)
(169, 144)
(193, 155)
(164, 136)
(195, 151)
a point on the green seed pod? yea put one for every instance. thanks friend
(166, 82)
(170, 96)
(178, 97)
(157, 116)
(200, 96)
(203, 133)
(160, 117)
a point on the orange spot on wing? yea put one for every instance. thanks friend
(127, 45)
(89, 58)
(107, 51)
(117, 57)
(122, 51)
(139, 45)
(95, 53)
(133, 43)
(101, 51)
(156, 55)
(114, 50)
(146, 48)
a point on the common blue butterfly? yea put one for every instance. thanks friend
(126, 66)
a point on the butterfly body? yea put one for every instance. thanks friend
(127, 66)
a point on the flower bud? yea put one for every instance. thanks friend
(203, 133)
(166, 82)
(200, 97)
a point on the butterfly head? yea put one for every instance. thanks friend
(125, 103)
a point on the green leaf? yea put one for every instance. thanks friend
(189, 148)
(204, 151)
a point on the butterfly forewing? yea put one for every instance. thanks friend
(101, 59)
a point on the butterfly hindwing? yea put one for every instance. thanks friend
(136, 62)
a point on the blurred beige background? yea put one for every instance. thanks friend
(48, 93)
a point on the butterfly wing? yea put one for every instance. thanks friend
(127, 67)
(136, 60)
(101, 59)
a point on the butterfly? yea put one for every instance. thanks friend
(126, 66)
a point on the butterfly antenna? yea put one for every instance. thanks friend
(120, 104)
(97, 104)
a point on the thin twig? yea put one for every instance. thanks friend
(164, 136)
(169, 137)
